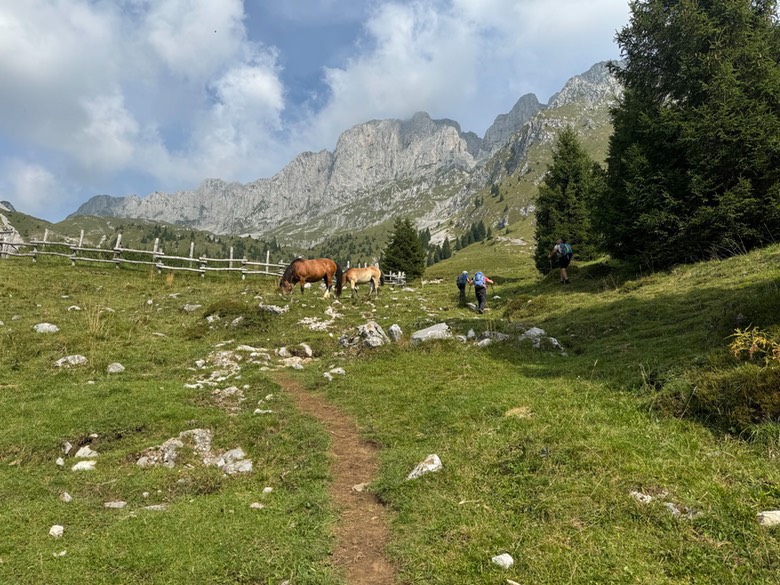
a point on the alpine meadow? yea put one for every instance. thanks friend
(187, 420)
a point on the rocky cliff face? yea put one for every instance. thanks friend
(378, 169)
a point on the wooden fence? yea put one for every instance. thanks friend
(118, 256)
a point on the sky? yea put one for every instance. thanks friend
(123, 97)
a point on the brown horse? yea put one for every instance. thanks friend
(356, 276)
(303, 271)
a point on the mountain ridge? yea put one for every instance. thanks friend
(420, 167)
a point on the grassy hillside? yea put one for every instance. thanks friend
(545, 456)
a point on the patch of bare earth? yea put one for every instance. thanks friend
(362, 530)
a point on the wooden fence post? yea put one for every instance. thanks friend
(118, 249)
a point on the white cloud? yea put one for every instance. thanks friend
(421, 58)
(194, 38)
(28, 186)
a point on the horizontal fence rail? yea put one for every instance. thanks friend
(117, 255)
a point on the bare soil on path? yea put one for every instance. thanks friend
(361, 532)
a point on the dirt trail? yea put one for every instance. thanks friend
(362, 530)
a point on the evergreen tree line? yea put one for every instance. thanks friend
(693, 164)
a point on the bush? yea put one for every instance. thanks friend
(737, 397)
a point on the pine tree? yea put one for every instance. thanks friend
(446, 249)
(565, 196)
(405, 252)
(694, 160)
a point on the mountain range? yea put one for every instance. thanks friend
(422, 168)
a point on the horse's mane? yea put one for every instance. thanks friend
(290, 270)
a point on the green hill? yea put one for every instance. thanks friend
(642, 455)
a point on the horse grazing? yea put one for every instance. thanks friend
(356, 276)
(301, 271)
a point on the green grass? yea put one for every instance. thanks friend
(551, 486)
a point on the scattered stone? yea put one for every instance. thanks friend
(484, 342)
(74, 308)
(395, 332)
(768, 518)
(274, 309)
(267, 490)
(338, 372)
(66, 497)
(66, 447)
(282, 352)
(62, 553)
(438, 331)
(431, 464)
(370, 334)
(359, 487)
(237, 321)
(115, 505)
(471, 335)
(641, 498)
(115, 368)
(46, 328)
(60, 462)
(471, 306)
(57, 531)
(86, 452)
(328, 376)
(307, 350)
(70, 361)
(261, 411)
(190, 308)
(503, 560)
(155, 507)
(496, 336)
(84, 466)
(257, 506)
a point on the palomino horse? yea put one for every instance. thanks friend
(356, 276)
(303, 271)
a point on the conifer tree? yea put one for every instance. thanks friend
(563, 203)
(404, 251)
(694, 160)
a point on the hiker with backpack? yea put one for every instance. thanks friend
(462, 281)
(480, 282)
(563, 252)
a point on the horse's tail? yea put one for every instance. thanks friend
(381, 276)
(338, 277)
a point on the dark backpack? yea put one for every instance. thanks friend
(479, 279)
(462, 279)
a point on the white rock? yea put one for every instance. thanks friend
(66, 497)
(71, 360)
(641, 498)
(503, 560)
(267, 490)
(431, 464)
(62, 553)
(485, 342)
(115, 368)
(257, 506)
(84, 466)
(307, 350)
(116, 504)
(66, 447)
(395, 332)
(46, 328)
(60, 461)
(338, 371)
(190, 308)
(56, 531)
(261, 411)
(155, 507)
(328, 376)
(86, 453)
(438, 331)
(74, 308)
(768, 518)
